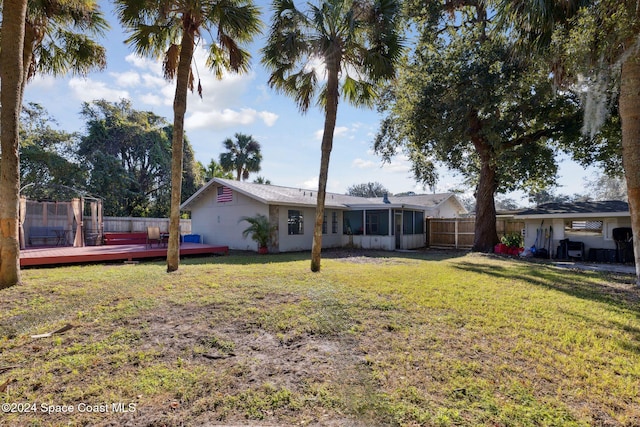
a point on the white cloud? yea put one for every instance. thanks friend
(333, 186)
(42, 82)
(340, 131)
(88, 90)
(268, 118)
(263, 93)
(143, 63)
(220, 94)
(150, 80)
(364, 164)
(397, 165)
(217, 94)
(223, 119)
(152, 99)
(126, 79)
(317, 64)
(311, 183)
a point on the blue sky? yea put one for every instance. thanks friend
(245, 104)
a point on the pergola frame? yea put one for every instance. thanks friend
(72, 219)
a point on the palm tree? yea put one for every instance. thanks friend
(55, 38)
(359, 45)
(607, 32)
(243, 156)
(262, 180)
(11, 75)
(259, 229)
(214, 170)
(59, 37)
(170, 29)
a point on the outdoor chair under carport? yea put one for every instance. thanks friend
(153, 235)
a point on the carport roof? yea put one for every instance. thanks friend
(577, 209)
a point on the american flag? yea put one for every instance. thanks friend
(225, 194)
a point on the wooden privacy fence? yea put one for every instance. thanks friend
(459, 232)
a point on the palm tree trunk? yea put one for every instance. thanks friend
(177, 144)
(331, 113)
(11, 76)
(629, 105)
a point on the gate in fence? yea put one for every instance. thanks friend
(459, 233)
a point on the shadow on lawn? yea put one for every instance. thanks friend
(607, 288)
(249, 257)
(595, 286)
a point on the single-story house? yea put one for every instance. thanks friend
(583, 230)
(387, 222)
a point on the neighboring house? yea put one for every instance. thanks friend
(380, 223)
(589, 223)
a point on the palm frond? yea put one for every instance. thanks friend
(358, 92)
(217, 61)
(65, 33)
(240, 22)
(359, 37)
(153, 40)
(170, 62)
(238, 59)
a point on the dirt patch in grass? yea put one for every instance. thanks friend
(244, 374)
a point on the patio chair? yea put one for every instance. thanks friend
(153, 235)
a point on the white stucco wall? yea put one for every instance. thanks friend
(217, 223)
(414, 241)
(303, 242)
(370, 242)
(448, 209)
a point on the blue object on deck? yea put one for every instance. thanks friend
(191, 238)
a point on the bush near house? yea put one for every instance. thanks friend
(510, 244)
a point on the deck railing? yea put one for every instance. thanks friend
(134, 224)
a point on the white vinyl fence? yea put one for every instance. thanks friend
(114, 224)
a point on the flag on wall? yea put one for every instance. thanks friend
(225, 194)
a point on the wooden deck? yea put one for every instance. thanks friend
(93, 254)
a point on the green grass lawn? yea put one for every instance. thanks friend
(423, 339)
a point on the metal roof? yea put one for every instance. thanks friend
(278, 195)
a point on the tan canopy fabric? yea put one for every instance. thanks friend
(23, 215)
(77, 205)
(69, 227)
(94, 216)
(100, 219)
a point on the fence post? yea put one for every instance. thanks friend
(455, 232)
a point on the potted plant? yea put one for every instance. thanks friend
(259, 230)
(510, 244)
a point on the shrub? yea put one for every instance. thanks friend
(512, 240)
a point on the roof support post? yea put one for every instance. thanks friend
(364, 222)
